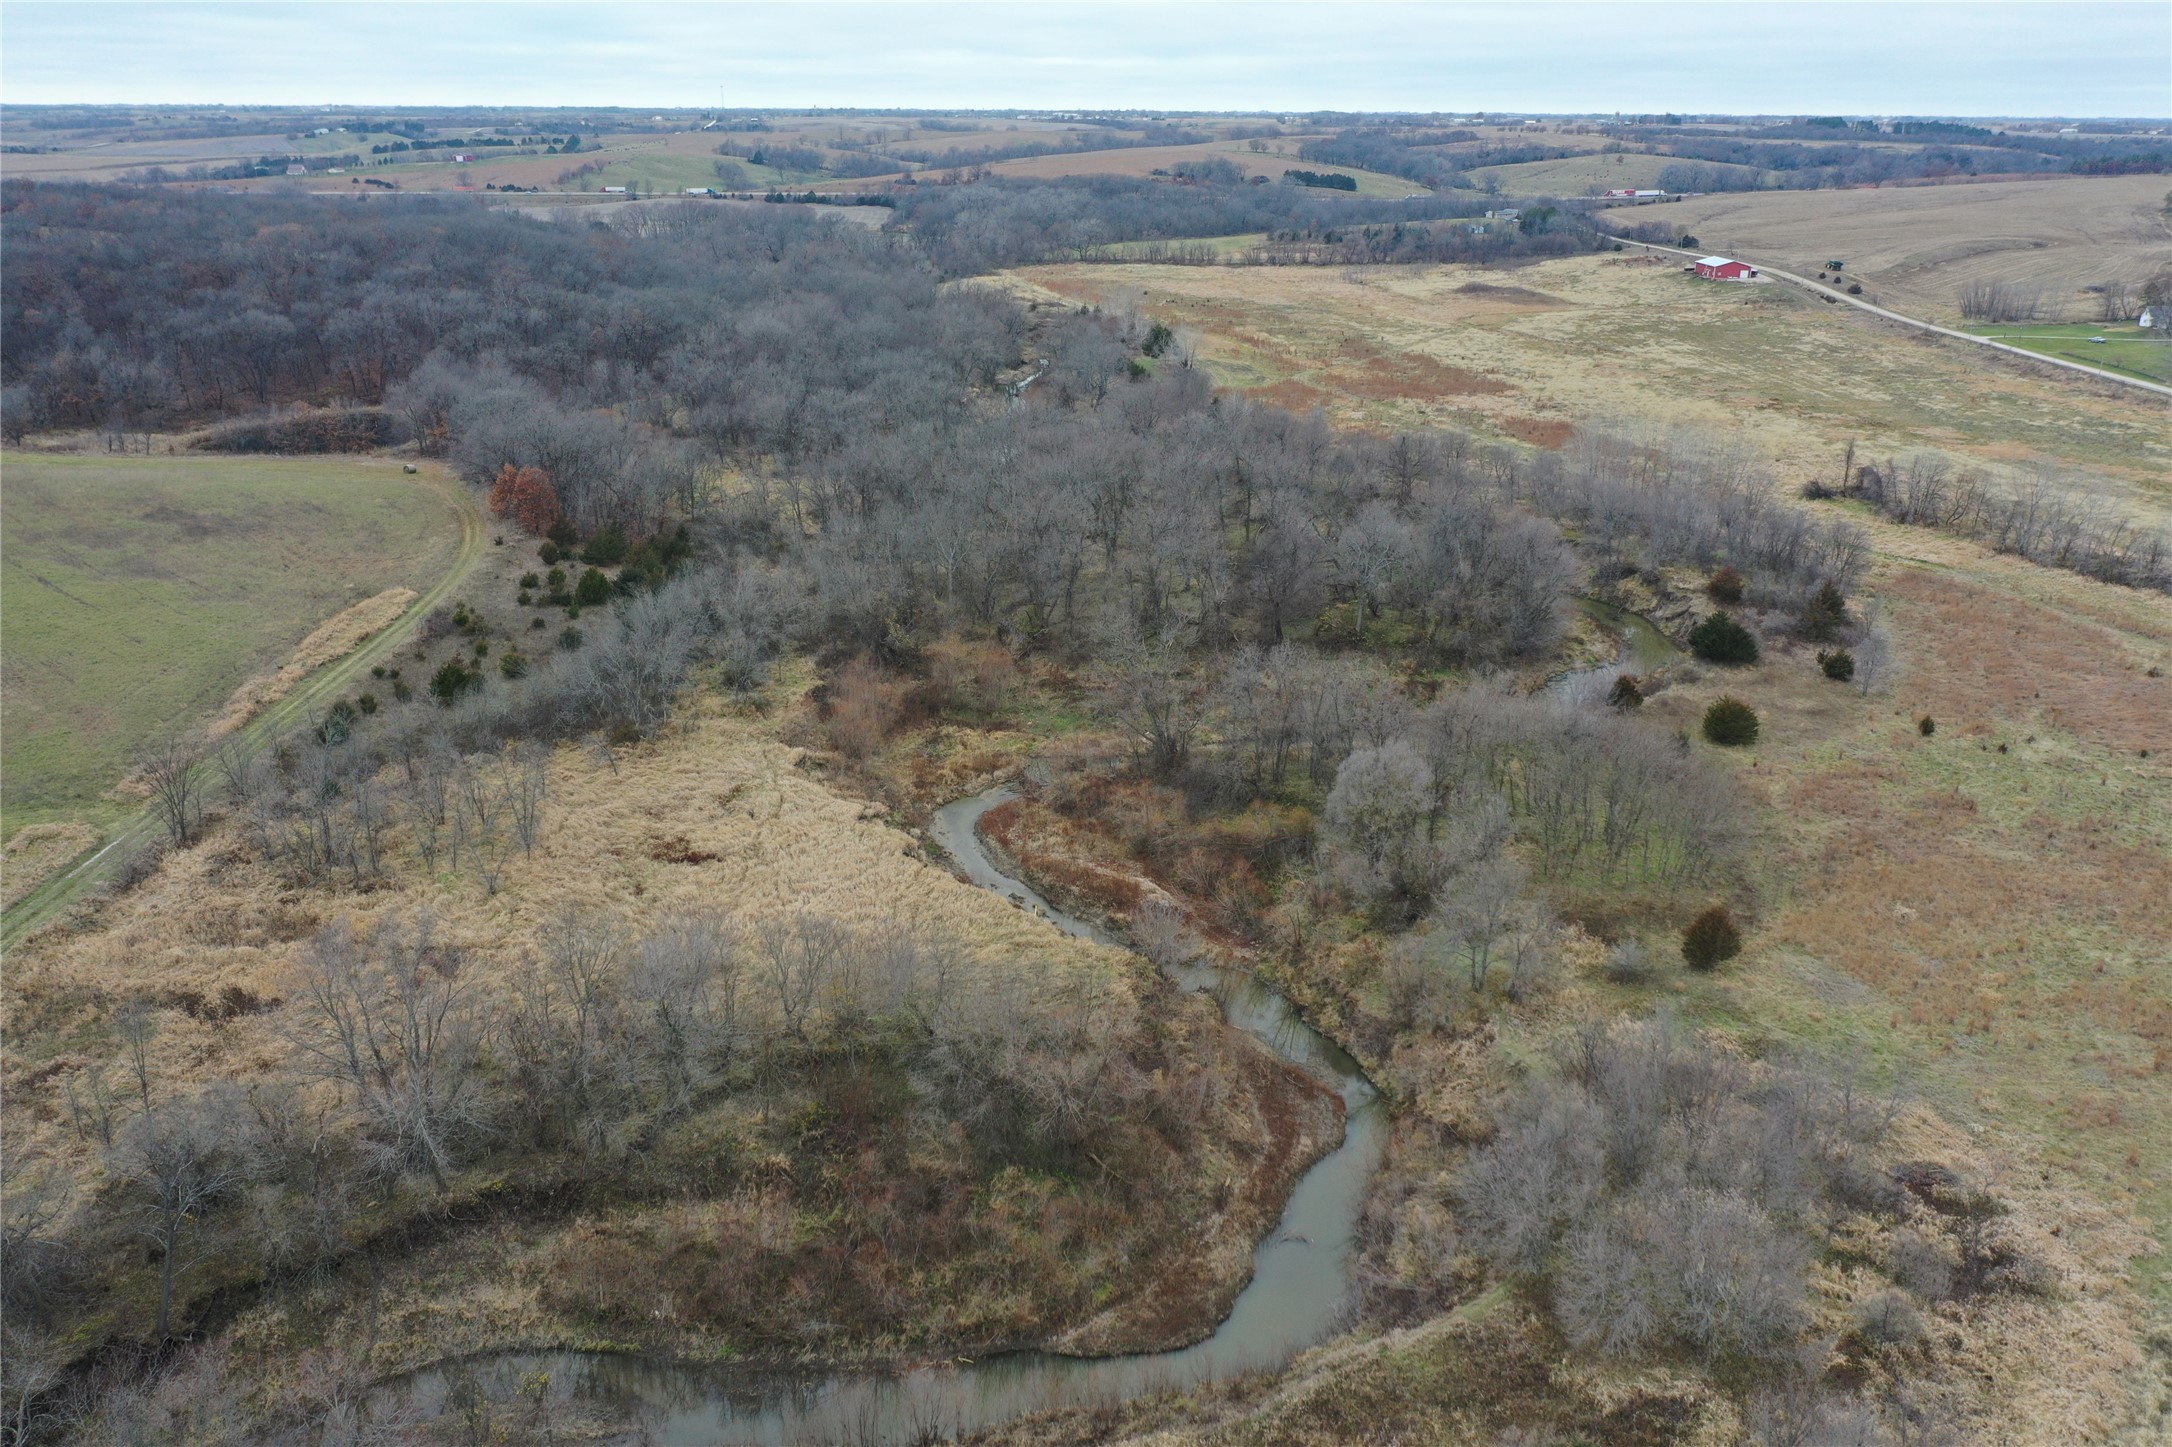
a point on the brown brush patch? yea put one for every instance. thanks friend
(36, 852)
(678, 849)
(1295, 395)
(2005, 657)
(1546, 432)
(1523, 295)
(1411, 376)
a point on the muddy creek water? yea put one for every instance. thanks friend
(1299, 1290)
(1643, 648)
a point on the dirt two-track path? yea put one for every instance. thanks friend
(1834, 294)
(53, 897)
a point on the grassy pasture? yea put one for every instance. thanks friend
(2125, 347)
(138, 593)
(1915, 247)
(1525, 354)
(1584, 175)
(106, 161)
(1280, 156)
(656, 162)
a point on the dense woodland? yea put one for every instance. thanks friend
(787, 436)
(1798, 157)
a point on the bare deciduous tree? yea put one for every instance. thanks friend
(390, 1019)
(168, 768)
(177, 1162)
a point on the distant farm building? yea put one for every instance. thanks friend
(2147, 321)
(297, 169)
(1720, 268)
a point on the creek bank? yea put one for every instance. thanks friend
(1297, 1294)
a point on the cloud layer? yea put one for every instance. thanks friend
(2081, 59)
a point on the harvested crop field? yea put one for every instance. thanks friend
(1587, 175)
(1529, 352)
(1915, 247)
(141, 592)
(1280, 155)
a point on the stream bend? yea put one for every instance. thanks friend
(1297, 1296)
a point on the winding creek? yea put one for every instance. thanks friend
(1299, 1289)
(1300, 1282)
(1643, 648)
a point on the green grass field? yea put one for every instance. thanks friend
(2125, 348)
(136, 594)
(663, 171)
(1222, 246)
(1588, 174)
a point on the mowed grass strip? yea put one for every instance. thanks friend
(137, 593)
(2116, 347)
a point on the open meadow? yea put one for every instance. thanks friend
(1981, 911)
(1915, 247)
(1527, 354)
(141, 592)
(2115, 346)
(1588, 174)
(1275, 157)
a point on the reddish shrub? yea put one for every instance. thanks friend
(967, 678)
(865, 703)
(525, 496)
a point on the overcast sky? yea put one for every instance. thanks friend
(2078, 59)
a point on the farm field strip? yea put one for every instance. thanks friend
(1833, 293)
(1915, 247)
(55, 894)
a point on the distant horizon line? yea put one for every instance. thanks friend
(1080, 111)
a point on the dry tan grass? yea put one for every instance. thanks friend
(1587, 339)
(716, 815)
(1915, 247)
(35, 852)
(713, 815)
(336, 637)
(768, 836)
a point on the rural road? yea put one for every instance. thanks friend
(54, 896)
(1892, 316)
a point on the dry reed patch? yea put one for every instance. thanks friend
(2018, 1369)
(336, 637)
(772, 840)
(1518, 295)
(35, 852)
(1292, 395)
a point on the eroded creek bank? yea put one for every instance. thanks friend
(1299, 1290)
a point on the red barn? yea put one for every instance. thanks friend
(1719, 268)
